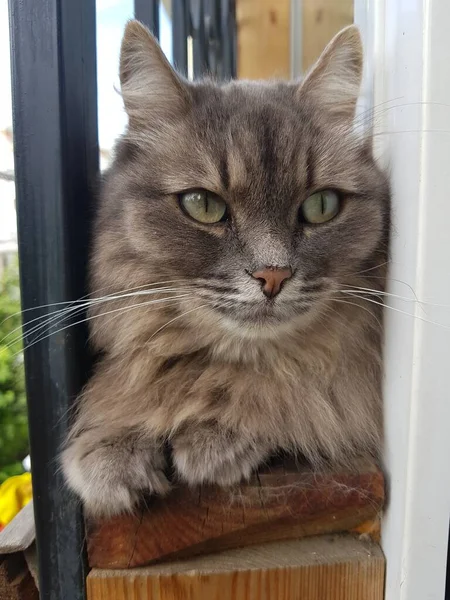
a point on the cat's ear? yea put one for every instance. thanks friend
(150, 87)
(334, 82)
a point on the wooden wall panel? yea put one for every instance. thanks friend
(263, 39)
(263, 28)
(322, 19)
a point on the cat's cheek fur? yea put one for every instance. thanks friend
(110, 476)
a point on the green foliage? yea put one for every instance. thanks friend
(13, 412)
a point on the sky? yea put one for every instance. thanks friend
(5, 77)
(111, 17)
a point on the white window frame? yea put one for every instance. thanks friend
(407, 80)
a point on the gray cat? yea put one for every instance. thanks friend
(241, 232)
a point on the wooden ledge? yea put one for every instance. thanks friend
(319, 568)
(281, 502)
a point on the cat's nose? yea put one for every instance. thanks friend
(272, 278)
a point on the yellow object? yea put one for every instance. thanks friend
(15, 493)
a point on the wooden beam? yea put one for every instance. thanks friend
(281, 503)
(321, 568)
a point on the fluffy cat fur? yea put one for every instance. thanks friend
(223, 374)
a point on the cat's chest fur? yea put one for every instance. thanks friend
(311, 391)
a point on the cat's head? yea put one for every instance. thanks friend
(257, 196)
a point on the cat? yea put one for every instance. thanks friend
(240, 233)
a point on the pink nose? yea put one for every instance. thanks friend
(272, 278)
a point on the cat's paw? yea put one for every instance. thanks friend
(206, 454)
(110, 476)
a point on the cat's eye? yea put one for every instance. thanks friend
(203, 206)
(320, 207)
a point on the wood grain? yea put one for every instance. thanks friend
(263, 39)
(263, 34)
(322, 19)
(322, 568)
(283, 502)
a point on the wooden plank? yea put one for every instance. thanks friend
(19, 534)
(263, 39)
(321, 20)
(283, 502)
(322, 568)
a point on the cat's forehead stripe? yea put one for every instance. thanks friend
(309, 168)
(237, 169)
(224, 172)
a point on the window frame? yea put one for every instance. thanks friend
(406, 43)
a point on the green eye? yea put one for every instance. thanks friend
(320, 207)
(204, 206)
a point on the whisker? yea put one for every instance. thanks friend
(372, 292)
(73, 305)
(82, 299)
(361, 291)
(73, 310)
(121, 309)
(371, 268)
(389, 279)
(339, 300)
(376, 114)
(411, 131)
(372, 110)
(429, 321)
(178, 317)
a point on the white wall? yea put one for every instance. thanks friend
(409, 49)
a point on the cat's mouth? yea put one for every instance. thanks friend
(265, 314)
(251, 313)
